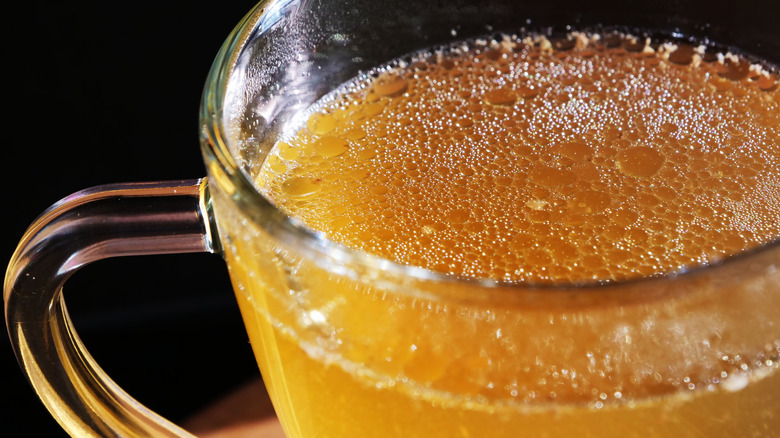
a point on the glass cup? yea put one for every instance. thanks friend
(350, 344)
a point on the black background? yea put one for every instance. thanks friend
(102, 92)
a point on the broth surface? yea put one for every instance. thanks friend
(580, 159)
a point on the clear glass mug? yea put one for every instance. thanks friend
(353, 345)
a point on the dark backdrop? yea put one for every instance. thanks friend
(99, 92)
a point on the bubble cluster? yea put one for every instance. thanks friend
(592, 157)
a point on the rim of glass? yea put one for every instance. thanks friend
(228, 174)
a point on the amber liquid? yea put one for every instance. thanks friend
(594, 159)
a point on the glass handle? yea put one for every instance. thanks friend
(94, 224)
